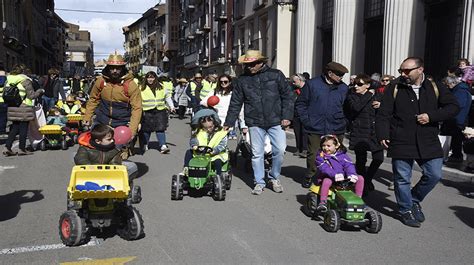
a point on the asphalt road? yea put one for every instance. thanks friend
(244, 229)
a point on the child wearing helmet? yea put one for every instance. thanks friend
(210, 133)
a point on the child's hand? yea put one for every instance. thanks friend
(339, 177)
(353, 178)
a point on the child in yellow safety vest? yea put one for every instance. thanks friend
(211, 134)
(71, 106)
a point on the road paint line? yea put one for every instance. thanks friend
(11, 251)
(111, 261)
(3, 168)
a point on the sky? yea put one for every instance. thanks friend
(105, 29)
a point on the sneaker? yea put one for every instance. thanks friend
(322, 207)
(408, 219)
(258, 189)
(164, 149)
(453, 159)
(304, 154)
(416, 209)
(276, 185)
(307, 182)
(9, 152)
(24, 153)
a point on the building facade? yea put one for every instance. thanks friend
(32, 34)
(79, 52)
(376, 35)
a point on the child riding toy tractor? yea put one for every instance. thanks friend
(344, 208)
(74, 125)
(200, 175)
(98, 197)
(54, 137)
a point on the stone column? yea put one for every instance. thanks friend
(348, 36)
(401, 35)
(467, 49)
(305, 37)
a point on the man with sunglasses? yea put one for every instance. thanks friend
(407, 125)
(268, 106)
(320, 108)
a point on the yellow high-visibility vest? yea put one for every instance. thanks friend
(203, 137)
(205, 90)
(151, 101)
(18, 79)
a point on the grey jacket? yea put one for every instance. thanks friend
(25, 112)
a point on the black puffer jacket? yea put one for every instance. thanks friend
(362, 117)
(267, 96)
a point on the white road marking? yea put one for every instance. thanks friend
(3, 168)
(11, 251)
(243, 244)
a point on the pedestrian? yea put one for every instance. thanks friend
(298, 81)
(320, 107)
(268, 105)
(384, 82)
(3, 105)
(156, 103)
(53, 88)
(180, 97)
(334, 165)
(21, 115)
(197, 90)
(362, 104)
(407, 125)
(455, 126)
(115, 98)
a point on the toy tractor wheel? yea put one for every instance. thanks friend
(177, 187)
(311, 204)
(218, 194)
(64, 143)
(375, 222)
(136, 194)
(42, 145)
(228, 180)
(332, 221)
(72, 229)
(132, 224)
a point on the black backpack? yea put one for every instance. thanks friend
(11, 95)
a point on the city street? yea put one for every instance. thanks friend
(243, 229)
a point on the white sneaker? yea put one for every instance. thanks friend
(276, 185)
(164, 149)
(258, 189)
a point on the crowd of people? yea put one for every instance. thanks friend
(401, 114)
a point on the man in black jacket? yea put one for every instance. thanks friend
(407, 124)
(268, 105)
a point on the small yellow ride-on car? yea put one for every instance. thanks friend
(54, 137)
(74, 123)
(108, 204)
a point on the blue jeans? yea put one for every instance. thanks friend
(161, 136)
(48, 103)
(3, 117)
(278, 141)
(402, 170)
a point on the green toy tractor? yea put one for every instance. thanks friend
(344, 208)
(200, 175)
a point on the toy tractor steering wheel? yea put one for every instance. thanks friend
(202, 150)
(344, 184)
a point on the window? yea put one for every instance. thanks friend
(374, 8)
(328, 13)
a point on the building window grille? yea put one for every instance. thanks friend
(374, 8)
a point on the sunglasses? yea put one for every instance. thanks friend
(407, 71)
(385, 80)
(338, 74)
(224, 81)
(252, 64)
(360, 84)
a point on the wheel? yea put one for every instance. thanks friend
(311, 204)
(131, 227)
(332, 221)
(42, 145)
(177, 187)
(72, 229)
(218, 194)
(75, 138)
(375, 222)
(228, 180)
(136, 194)
(64, 144)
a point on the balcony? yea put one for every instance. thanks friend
(259, 4)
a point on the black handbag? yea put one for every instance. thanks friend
(245, 148)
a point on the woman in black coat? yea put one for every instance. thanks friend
(362, 104)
